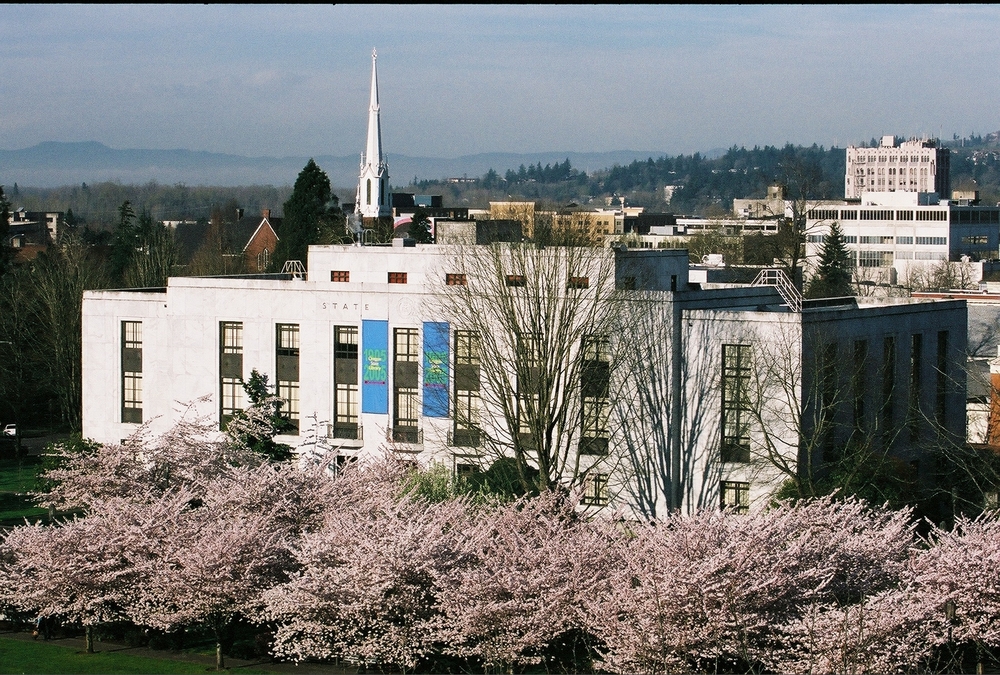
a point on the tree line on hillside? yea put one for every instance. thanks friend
(707, 186)
(404, 570)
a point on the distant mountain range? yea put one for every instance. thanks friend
(52, 164)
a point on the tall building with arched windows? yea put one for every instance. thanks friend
(373, 182)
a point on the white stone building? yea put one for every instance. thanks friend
(911, 166)
(705, 383)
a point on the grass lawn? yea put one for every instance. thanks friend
(19, 656)
(16, 479)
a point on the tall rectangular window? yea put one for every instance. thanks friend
(465, 430)
(735, 403)
(346, 400)
(287, 361)
(735, 496)
(406, 396)
(230, 370)
(941, 403)
(859, 383)
(888, 384)
(594, 384)
(827, 420)
(131, 365)
(916, 384)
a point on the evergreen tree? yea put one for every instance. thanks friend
(833, 278)
(420, 228)
(310, 210)
(124, 242)
(256, 427)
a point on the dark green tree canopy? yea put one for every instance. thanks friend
(420, 227)
(309, 214)
(833, 277)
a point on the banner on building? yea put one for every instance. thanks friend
(375, 367)
(435, 369)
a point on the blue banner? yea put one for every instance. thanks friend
(375, 367)
(435, 369)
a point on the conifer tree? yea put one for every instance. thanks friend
(833, 277)
(306, 214)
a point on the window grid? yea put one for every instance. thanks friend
(595, 490)
(341, 276)
(397, 277)
(345, 342)
(735, 496)
(406, 344)
(131, 369)
(735, 403)
(456, 280)
(407, 407)
(466, 348)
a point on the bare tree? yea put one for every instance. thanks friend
(539, 322)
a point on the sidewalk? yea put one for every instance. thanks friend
(78, 644)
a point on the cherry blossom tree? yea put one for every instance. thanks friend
(526, 568)
(146, 466)
(713, 591)
(86, 570)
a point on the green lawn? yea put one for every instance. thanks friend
(19, 656)
(16, 479)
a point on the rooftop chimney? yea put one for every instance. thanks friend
(266, 213)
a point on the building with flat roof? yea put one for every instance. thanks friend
(910, 166)
(706, 393)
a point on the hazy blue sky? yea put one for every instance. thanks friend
(293, 80)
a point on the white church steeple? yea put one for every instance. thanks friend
(373, 183)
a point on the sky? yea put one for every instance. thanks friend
(289, 80)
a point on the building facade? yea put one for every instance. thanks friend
(894, 235)
(709, 392)
(910, 166)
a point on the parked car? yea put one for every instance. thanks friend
(10, 430)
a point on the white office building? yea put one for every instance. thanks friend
(911, 166)
(708, 389)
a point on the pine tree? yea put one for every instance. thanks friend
(420, 228)
(833, 277)
(306, 213)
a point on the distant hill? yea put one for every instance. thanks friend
(53, 164)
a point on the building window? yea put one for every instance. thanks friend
(465, 429)
(594, 392)
(131, 362)
(859, 383)
(340, 275)
(368, 192)
(888, 383)
(516, 280)
(287, 361)
(916, 383)
(406, 398)
(345, 377)
(829, 382)
(456, 280)
(464, 471)
(595, 490)
(397, 277)
(941, 407)
(735, 403)
(578, 282)
(230, 370)
(735, 496)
